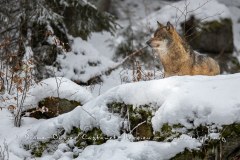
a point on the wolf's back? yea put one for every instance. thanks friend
(205, 65)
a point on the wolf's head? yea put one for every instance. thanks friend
(163, 37)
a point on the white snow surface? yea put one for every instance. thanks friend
(198, 99)
(56, 87)
(83, 62)
(10, 133)
(186, 100)
(204, 10)
(144, 150)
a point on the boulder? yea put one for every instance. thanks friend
(51, 107)
(225, 147)
(214, 36)
(139, 124)
(137, 121)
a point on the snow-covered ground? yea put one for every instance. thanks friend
(177, 13)
(83, 62)
(190, 101)
(56, 87)
(125, 150)
(9, 133)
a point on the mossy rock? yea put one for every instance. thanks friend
(226, 147)
(51, 107)
(139, 119)
(209, 37)
(93, 137)
(82, 139)
(86, 138)
(38, 149)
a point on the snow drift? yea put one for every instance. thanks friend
(177, 13)
(187, 100)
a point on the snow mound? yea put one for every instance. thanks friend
(83, 62)
(138, 150)
(186, 100)
(201, 99)
(56, 87)
(204, 10)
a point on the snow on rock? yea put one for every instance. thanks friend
(83, 62)
(204, 10)
(56, 87)
(118, 150)
(203, 99)
(186, 100)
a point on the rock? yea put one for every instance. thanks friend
(51, 107)
(227, 147)
(229, 63)
(209, 37)
(139, 119)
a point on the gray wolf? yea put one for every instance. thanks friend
(176, 55)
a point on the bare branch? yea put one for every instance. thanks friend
(137, 126)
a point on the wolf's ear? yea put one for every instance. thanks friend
(160, 25)
(169, 26)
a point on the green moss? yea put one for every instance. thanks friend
(139, 119)
(235, 61)
(236, 128)
(167, 133)
(75, 130)
(83, 139)
(200, 131)
(208, 150)
(166, 128)
(227, 146)
(96, 137)
(189, 155)
(230, 130)
(38, 150)
(214, 25)
(93, 137)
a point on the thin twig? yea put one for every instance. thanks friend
(89, 114)
(137, 126)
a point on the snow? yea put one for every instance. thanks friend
(138, 150)
(83, 62)
(187, 100)
(136, 10)
(101, 42)
(11, 134)
(56, 87)
(204, 10)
